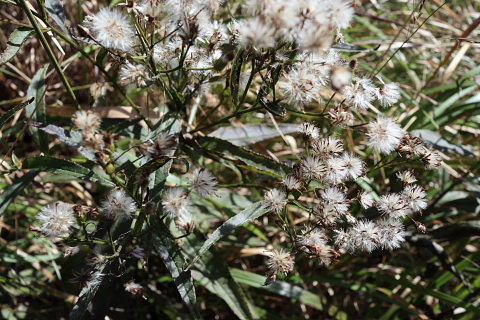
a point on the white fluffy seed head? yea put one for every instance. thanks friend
(112, 29)
(274, 200)
(384, 134)
(57, 219)
(280, 261)
(118, 205)
(203, 182)
(86, 121)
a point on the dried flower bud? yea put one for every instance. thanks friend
(133, 288)
(420, 227)
(70, 251)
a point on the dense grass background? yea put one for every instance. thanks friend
(429, 48)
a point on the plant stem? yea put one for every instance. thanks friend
(50, 53)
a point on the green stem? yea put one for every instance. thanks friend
(50, 53)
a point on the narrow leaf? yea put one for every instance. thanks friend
(212, 272)
(252, 133)
(15, 189)
(142, 173)
(243, 157)
(183, 279)
(172, 126)
(55, 10)
(71, 138)
(86, 296)
(348, 47)
(235, 73)
(62, 166)
(435, 139)
(10, 113)
(281, 288)
(253, 212)
(35, 111)
(15, 42)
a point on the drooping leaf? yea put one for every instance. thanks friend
(252, 133)
(10, 113)
(434, 139)
(55, 10)
(172, 258)
(15, 189)
(253, 212)
(35, 111)
(71, 138)
(243, 157)
(15, 43)
(457, 230)
(284, 289)
(54, 165)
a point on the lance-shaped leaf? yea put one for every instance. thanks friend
(279, 287)
(235, 73)
(168, 252)
(212, 272)
(62, 166)
(71, 138)
(15, 42)
(55, 10)
(243, 157)
(172, 126)
(10, 113)
(253, 212)
(141, 174)
(86, 296)
(252, 133)
(35, 111)
(14, 190)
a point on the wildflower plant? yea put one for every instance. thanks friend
(171, 186)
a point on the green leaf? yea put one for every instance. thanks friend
(213, 273)
(172, 125)
(54, 165)
(71, 138)
(86, 296)
(10, 113)
(435, 139)
(348, 47)
(285, 289)
(168, 252)
(55, 10)
(15, 42)
(423, 292)
(252, 133)
(15, 189)
(35, 111)
(253, 212)
(244, 158)
(142, 173)
(235, 74)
